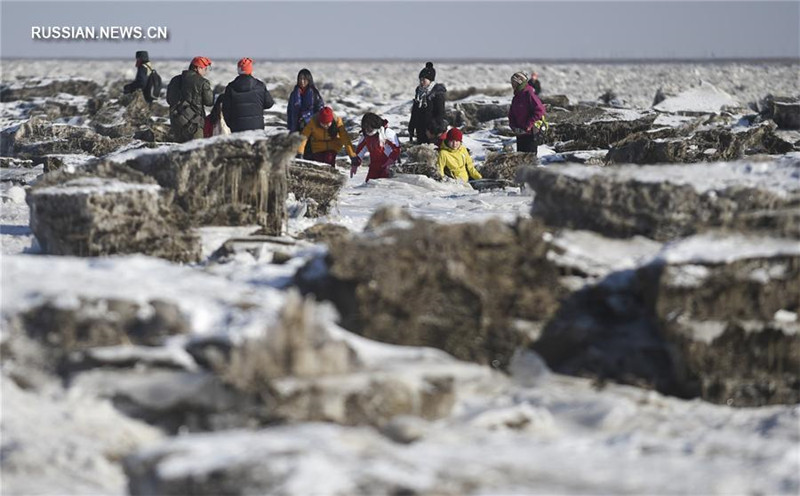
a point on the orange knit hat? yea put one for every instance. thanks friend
(201, 62)
(245, 66)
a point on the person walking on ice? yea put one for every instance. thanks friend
(381, 143)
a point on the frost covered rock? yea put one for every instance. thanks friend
(37, 137)
(130, 116)
(471, 115)
(238, 179)
(506, 165)
(729, 305)
(298, 369)
(555, 101)
(713, 317)
(317, 184)
(40, 87)
(324, 233)
(421, 160)
(785, 111)
(95, 216)
(594, 127)
(704, 145)
(670, 201)
(455, 287)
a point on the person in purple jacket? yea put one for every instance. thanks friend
(526, 115)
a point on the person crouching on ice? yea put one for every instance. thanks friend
(455, 158)
(327, 135)
(381, 143)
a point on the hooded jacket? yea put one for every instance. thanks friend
(457, 162)
(327, 140)
(526, 109)
(425, 114)
(244, 102)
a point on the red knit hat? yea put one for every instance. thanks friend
(201, 62)
(455, 134)
(245, 66)
(326, 115)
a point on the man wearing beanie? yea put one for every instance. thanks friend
(526, 116)
(327, 135)
(143, 71)
(454, 158)
(245, 100)
(188, 94)
(427, 109)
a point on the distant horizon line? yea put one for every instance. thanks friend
(467, 60)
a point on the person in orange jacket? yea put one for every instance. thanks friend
(327, 135)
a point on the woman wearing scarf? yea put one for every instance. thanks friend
(526, 116)
(304, 102)
(427, 110)
(382, 145)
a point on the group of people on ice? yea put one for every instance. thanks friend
(241, 108)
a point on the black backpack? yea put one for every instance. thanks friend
(152, 88)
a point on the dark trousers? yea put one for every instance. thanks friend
(527, 143)
(325, 157)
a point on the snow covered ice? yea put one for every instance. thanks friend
(148, 409)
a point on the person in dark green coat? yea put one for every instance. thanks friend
(187, 95)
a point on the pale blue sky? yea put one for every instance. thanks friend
(529, 30)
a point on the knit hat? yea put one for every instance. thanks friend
(455, 134)
(518, 78)
(326, 115)
(245, 66)
(201, 62)
(428, 72)
(143, 56)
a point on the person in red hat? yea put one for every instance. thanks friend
(454, 158)
(187, 95)
(245, 100)
(327, 135)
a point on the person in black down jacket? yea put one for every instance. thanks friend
(427, 109)
(245, 100)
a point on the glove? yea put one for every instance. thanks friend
(299, 155)
(354, 163)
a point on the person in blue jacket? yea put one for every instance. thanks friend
(304, 102)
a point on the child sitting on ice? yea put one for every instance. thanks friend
(455, 158)
(381, 143)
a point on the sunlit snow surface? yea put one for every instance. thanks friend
(535, 433)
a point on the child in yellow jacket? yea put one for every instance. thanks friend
(454, 157)
(328, 135)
